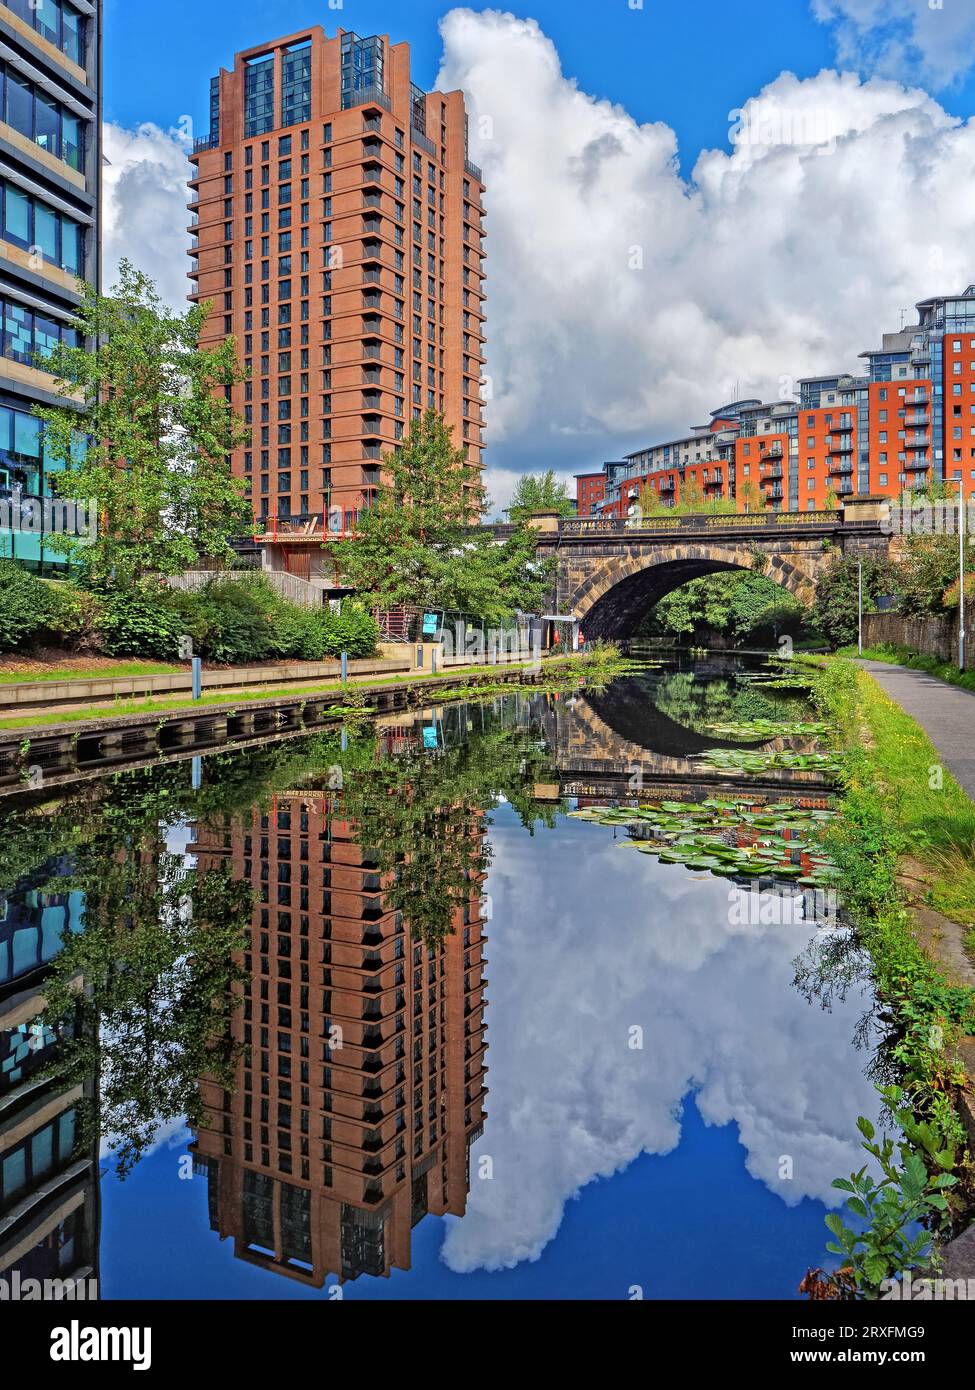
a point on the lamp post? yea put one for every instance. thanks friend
(860, 607)
(961, 574)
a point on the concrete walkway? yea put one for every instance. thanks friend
(945, 712)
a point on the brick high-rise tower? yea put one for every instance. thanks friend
(338, 230)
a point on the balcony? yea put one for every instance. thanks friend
(919, 398)
(840, 467)
(770, 475)
(366, 96)
(473, 169)
(205, 142)
(916, 465)
(840, 444)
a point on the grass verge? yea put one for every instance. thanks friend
(595, 666)
(117, 671)
(898, 800)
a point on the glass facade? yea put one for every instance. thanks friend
(296, 85)
(215, 109)
(259, 96)
(34, 114)
(57, 21)
(28, 334)
(363, 68)
(26, 1165)
(26, 473)
(27, 222)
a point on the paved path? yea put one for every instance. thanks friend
(945, 712)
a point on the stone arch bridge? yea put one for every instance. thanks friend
(610, 571)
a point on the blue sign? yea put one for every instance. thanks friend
(430, 624)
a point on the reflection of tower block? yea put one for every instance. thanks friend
(49, 1208)
(364, 1071)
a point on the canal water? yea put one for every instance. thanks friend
(378, 1013)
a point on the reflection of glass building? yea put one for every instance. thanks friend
(50, 179)
(362, 1087)
(48, 1189)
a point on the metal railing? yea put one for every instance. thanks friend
(420, 139)
(584, 526)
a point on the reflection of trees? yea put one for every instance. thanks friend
(146, 988)
(421, 815)
(833, 964)
(697, 703)
(145, 982)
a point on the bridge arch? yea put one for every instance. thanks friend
(613, 599)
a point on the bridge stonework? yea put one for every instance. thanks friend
(610, 572)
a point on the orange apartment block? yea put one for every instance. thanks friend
(907, 421)
(338, 230)
(362, 1084)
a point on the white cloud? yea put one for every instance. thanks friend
(930, 40)
(570, 1101)
(786, 255)
(145, 216)
(783, 256)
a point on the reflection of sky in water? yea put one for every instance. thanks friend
(737, 1071)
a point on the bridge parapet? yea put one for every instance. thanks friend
(612, 569)
(722, 522)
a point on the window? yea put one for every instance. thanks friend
(259, 96)
(42, 119)
(296, 84)
(57, 21)
(27, 335)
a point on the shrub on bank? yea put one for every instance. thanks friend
(351, 630)
(146, 620)
(232, 621)
(23, 606)
(73, 618)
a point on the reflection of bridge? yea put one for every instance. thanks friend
(611, 571)
(595, 760)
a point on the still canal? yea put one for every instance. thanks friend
(542, 997)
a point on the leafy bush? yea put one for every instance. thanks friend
(74, 618)
(240, 616)
(146, 620)
(23, 605)
(299, 632)
(351, 630)
(928, 569)
(950, 597)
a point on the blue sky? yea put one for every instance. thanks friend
(642, 267)
(686, 64)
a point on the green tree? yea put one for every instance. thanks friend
(692, 503)
(739, 603)
(834, 613)
(539, 492)
(160, 428)
(421, 543)
(927, 573)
